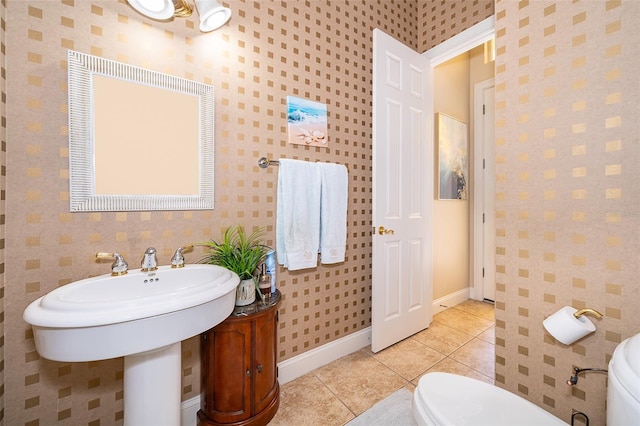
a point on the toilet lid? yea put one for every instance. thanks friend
(457, 400)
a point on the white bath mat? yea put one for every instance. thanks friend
(394, 410)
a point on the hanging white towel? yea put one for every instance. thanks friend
(333, 212)
(298, 214)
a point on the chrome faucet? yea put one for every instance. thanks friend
(149, 260)
(177, 261)
(119, 265)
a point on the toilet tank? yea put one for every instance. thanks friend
(623, 391)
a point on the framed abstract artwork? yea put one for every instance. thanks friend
(453, 158)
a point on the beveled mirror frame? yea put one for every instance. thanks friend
(83, 197)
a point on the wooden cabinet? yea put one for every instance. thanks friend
(239, 373)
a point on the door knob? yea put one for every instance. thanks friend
(382, 230)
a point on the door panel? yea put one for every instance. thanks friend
(393, 296)
(402, 192)
(416, 287)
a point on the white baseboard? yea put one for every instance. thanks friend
(450, 299)
(190, 408)
(297, 366)
(300, 365)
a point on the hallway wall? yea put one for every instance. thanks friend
(454, 81)
(451, 217)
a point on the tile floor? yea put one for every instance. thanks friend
(460, 340)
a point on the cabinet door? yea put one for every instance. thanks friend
(228, 375)
(265, 360)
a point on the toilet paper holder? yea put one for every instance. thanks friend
(583, 311)
(569, 324)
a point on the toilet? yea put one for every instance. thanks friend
(444, 399)
(623, 390)
(449, 399)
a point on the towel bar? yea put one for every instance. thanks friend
(264, 162)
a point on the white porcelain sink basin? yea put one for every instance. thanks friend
(142, 316)
(106, 317)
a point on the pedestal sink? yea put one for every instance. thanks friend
(142, 316)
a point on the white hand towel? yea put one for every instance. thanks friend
(298, 214)
(333, 212)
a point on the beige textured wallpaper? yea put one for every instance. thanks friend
(3, 206)
(320, 50)
(567, 193)
(442, 19)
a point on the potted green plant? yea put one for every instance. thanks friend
(241, 253)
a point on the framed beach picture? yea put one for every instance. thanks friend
(453, 165)
(306, 122)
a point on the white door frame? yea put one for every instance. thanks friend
(481, 206)
(449, 49)
(461, 43)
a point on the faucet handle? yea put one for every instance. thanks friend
(149, 261)
(119, 265)
(177, 261)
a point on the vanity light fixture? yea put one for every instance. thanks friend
(212, 14)
(154, 9)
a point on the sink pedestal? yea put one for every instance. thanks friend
(152, 384)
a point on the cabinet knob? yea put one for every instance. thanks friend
(259, 368)
(248, 373)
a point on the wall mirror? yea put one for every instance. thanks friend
(138, 139)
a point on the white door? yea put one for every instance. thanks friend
(489, 285)
(402, 192)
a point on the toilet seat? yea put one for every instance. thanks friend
(448, 399)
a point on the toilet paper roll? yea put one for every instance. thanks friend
(566, 328)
